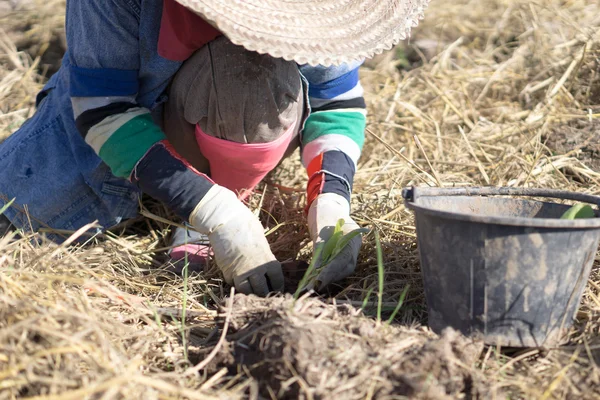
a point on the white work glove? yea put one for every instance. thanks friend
(238, 241)
(323, 215)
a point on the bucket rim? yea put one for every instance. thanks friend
(413, 193)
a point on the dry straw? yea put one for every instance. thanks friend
(498, 91)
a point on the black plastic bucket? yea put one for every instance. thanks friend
(503, 268)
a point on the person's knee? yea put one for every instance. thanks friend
(242, 96)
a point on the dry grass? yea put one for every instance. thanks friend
(500, 92)
(22, 73)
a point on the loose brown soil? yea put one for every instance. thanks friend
(308, 349)
(580, 138)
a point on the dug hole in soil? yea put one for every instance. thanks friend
(309, 349)
(581, 138)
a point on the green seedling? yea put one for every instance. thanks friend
(399, 305)
(332, 242)
(325, 253)
(366, 299)
(336, 243)
(380, 275)
(182, 328)
(579, 211)
(310, 275)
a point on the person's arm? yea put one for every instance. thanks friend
(104, 58)
(332, 141)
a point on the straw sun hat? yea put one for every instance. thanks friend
(313, 31)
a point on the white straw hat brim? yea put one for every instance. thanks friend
(313, 32)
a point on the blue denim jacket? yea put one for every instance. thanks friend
(46, 165)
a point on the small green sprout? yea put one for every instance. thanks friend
(325, 253)
(579, 211)
(336, 243)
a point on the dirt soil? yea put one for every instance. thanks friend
(311, 350)
(580, 138)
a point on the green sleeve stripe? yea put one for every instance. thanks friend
(348, 123)
(99, 133)
(124, 148)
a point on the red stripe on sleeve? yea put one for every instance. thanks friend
(316, 180)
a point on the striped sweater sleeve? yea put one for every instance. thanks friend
(333, 134)
(119, 130)
(125, 137)
(104, 85)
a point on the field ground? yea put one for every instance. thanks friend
(498, 92)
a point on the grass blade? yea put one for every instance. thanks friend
(339, 226)
(380, 274)
(6, 206)
(367, 297)
(399, 305)
(343, 242)
(332, 243)
(308, 274)
(329, 247)
(184, 300)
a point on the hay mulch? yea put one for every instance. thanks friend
(498, 92)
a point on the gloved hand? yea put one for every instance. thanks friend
(238, 241)
(323, 215)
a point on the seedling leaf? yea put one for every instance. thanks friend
(579, 211)
(331, 243)
(328, 251)
(399, 305)
(329, 247)
(309, 274)
(367, 297)
(339, 226)
(380, 275)
(343, 242)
